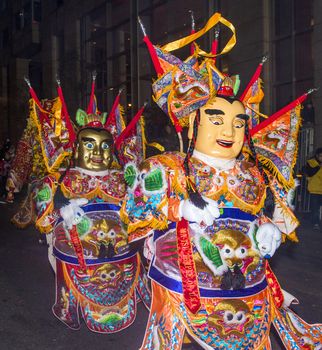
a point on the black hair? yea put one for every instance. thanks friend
(230, 99)
(194, 195)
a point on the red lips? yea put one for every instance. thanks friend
(225, 143)
(97, 160)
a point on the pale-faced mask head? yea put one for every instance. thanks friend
(94, 149)
(221, 128)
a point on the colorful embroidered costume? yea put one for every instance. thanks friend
(206, 215)
(97, 272)
(29, 166)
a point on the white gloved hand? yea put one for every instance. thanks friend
(149, 248)
(72, 213)
(268, 238)
(207, 215)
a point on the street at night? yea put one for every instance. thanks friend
(186, 131)
(27, 292)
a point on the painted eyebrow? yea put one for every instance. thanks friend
(108, 141)
(214, 111)
(242, 116)
(88, 139)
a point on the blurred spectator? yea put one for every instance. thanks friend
(5, 147)
(307, 113)
(313, 171)
(4, 170)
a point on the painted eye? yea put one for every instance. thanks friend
(101, 234)
(104, 276)
(206, 169)
(241, 252)
(89, 145)
(228, 317)
(112, 274)
(111, 234)
(240, 317)
(105, 146)
(238, 124)
(216, 120)
(227, 252)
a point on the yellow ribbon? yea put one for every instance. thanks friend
(55, 114)
(58, 122)
(213, 20)
(156, 145)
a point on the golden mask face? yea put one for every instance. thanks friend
(94, 150)
(221, 129)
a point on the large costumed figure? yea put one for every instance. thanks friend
(97, 272)
(29, 165)
(212, 218)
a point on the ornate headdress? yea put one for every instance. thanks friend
(182, 87)
(92, 117)
(54, 128)
(58, 133)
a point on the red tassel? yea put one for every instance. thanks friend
(42, 114)
(282, 111)
(128, 129)
(214, 47)
(91, 100)
(112, 112)
(274, 286)
(187, 267)
(153, 55)
(252, 81)
(175, 122)
(77, 245)
(66, 118)
(192, 46)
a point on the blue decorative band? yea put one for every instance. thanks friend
(176, 286)
(159, 233)
(73, 260)
(97, 207)
(236, 213)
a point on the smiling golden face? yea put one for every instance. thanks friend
(221, 129)
(94, 150)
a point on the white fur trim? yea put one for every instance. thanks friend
(92, 172)
(289, 299)
(217, 163)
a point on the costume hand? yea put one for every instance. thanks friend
(149, 248)
(268, 239)
(192, 213)
(72, 213)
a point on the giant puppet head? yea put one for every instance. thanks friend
(94, 145)
(195, 87)
(220, 128)
(195, 93)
